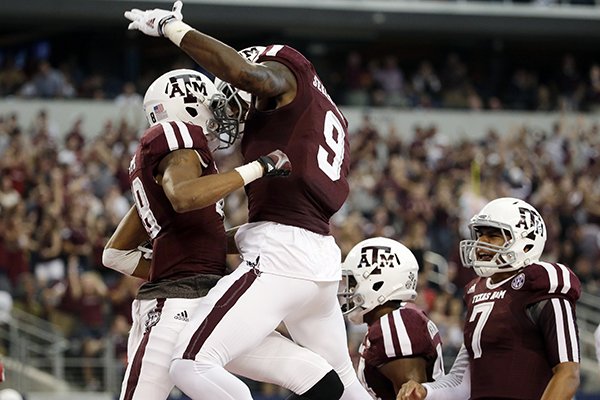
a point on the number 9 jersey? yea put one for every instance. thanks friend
(313, 132)
(518, 329)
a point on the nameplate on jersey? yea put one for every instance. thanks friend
(488, 296)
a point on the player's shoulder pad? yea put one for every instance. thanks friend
(173, 135)
(549, 280)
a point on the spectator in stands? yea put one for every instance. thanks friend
(569, 84)
(48, 82)
(427, 86)
(12, 77)
(593, 89)
(129, 102)
(597, 342)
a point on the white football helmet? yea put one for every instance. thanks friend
(188, 96)
(374, 272)
(524, 233)
(239, 100)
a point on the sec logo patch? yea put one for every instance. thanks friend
(518, 281)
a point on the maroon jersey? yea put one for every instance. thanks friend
(404, 333)
(184, 244)
(312, 131)
(517, 330)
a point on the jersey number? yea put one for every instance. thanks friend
(332, 169)
(143, 206)
(485, 309)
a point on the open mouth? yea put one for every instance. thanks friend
(481, 256)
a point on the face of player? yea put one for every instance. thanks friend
(495, 237)
(489, 235)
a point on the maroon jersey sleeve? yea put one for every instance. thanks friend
(545, 280)
(184, 244)
(403, 333)
(555, 290)
(313, 132)
(406, 332)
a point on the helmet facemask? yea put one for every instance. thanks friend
(228, 128)
(239, 100)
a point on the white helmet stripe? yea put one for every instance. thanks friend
(188, 143)
(170, 135)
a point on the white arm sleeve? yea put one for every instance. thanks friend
(456, 385)
(123, 261)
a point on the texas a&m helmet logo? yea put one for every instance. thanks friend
(380, 255)
(530, 219)
(187, 86)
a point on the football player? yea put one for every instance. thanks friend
(291, 263)
(520, 335)
(402, 343)
(177, 192)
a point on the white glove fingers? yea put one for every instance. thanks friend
(134, 26)
(177, 6)
(134, 14)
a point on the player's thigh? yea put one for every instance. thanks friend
(280, 361)
(149, 354)
(322, 314)
(243, 309)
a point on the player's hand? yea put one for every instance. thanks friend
(412, 390)
(276, 163)
(152, 22)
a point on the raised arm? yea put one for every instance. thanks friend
(266, 80)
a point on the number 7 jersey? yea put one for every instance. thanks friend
(313, 132)
(513, 346)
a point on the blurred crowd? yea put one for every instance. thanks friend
(450, 81)
(63, 193)
(455, 83)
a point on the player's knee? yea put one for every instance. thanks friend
(330, 387)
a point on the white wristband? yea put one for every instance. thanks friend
(176, 30)
(250, 172)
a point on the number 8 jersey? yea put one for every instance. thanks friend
(313, 133)
(184, 244)
(518, 329)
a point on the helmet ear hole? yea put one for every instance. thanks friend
(377, 285)
(192, 111)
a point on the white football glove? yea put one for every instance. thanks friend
(152, 22)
